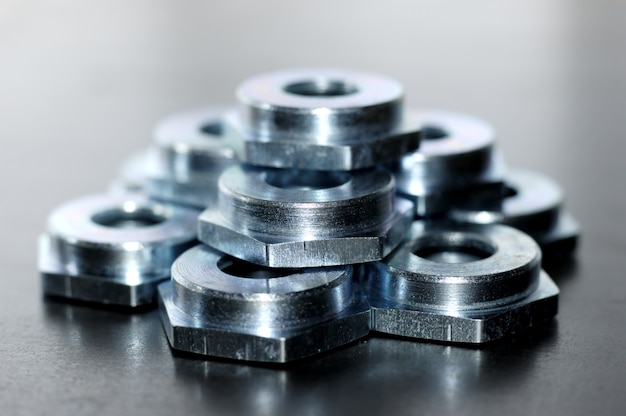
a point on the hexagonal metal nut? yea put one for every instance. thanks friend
(330, 119)
(189, 153)
(112, 250)
(269, 315)
(330, 218)
(460, 283)
(468, 327)
(457, 165)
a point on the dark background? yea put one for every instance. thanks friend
(83, 82)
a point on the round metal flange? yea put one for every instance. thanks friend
(461, 267)
(107, 248)
(264, 314)
(295, 218)
(332, 119)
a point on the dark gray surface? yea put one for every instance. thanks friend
(82, 84)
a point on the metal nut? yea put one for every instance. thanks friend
(461, 283)
(456, 164)
(220, 306)
(329, 119)
(293, 218)
(113, 249)
(533, 203)
(189, 154)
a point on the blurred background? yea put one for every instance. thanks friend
(83, 83)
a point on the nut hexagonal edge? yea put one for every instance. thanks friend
(189, 334)
(468, 327)
(282, 251)
(58, 282)
(324, 156)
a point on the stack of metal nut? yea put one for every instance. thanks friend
(325, 211)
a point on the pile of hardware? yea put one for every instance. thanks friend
(325, 211)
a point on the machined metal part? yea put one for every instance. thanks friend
(457, 164)
(190, 152)
(327, 119)
(220, 306)
(297, 218)
(532, 203)
(461, 283)
(193, 143)
(113, 249)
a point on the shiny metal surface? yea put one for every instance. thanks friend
(183, 165)
(457, 164)
(332, 119)
(219, 306)
(293, 218)
(83, 82)
(532, 203)
(460, 283)
(112, 250)
(192, 143)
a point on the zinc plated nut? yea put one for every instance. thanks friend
(457, 164)
(532, 203)
(330, 119)
(460, 283)
(296, 218)
(113, 250)
(219, 306)
(189, 153)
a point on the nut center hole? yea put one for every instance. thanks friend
(304, 180)
(509, 192)
(240, 268)
(321, 88)
(453, 248)
(129, 216)
(212, 130)
(433, 133)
